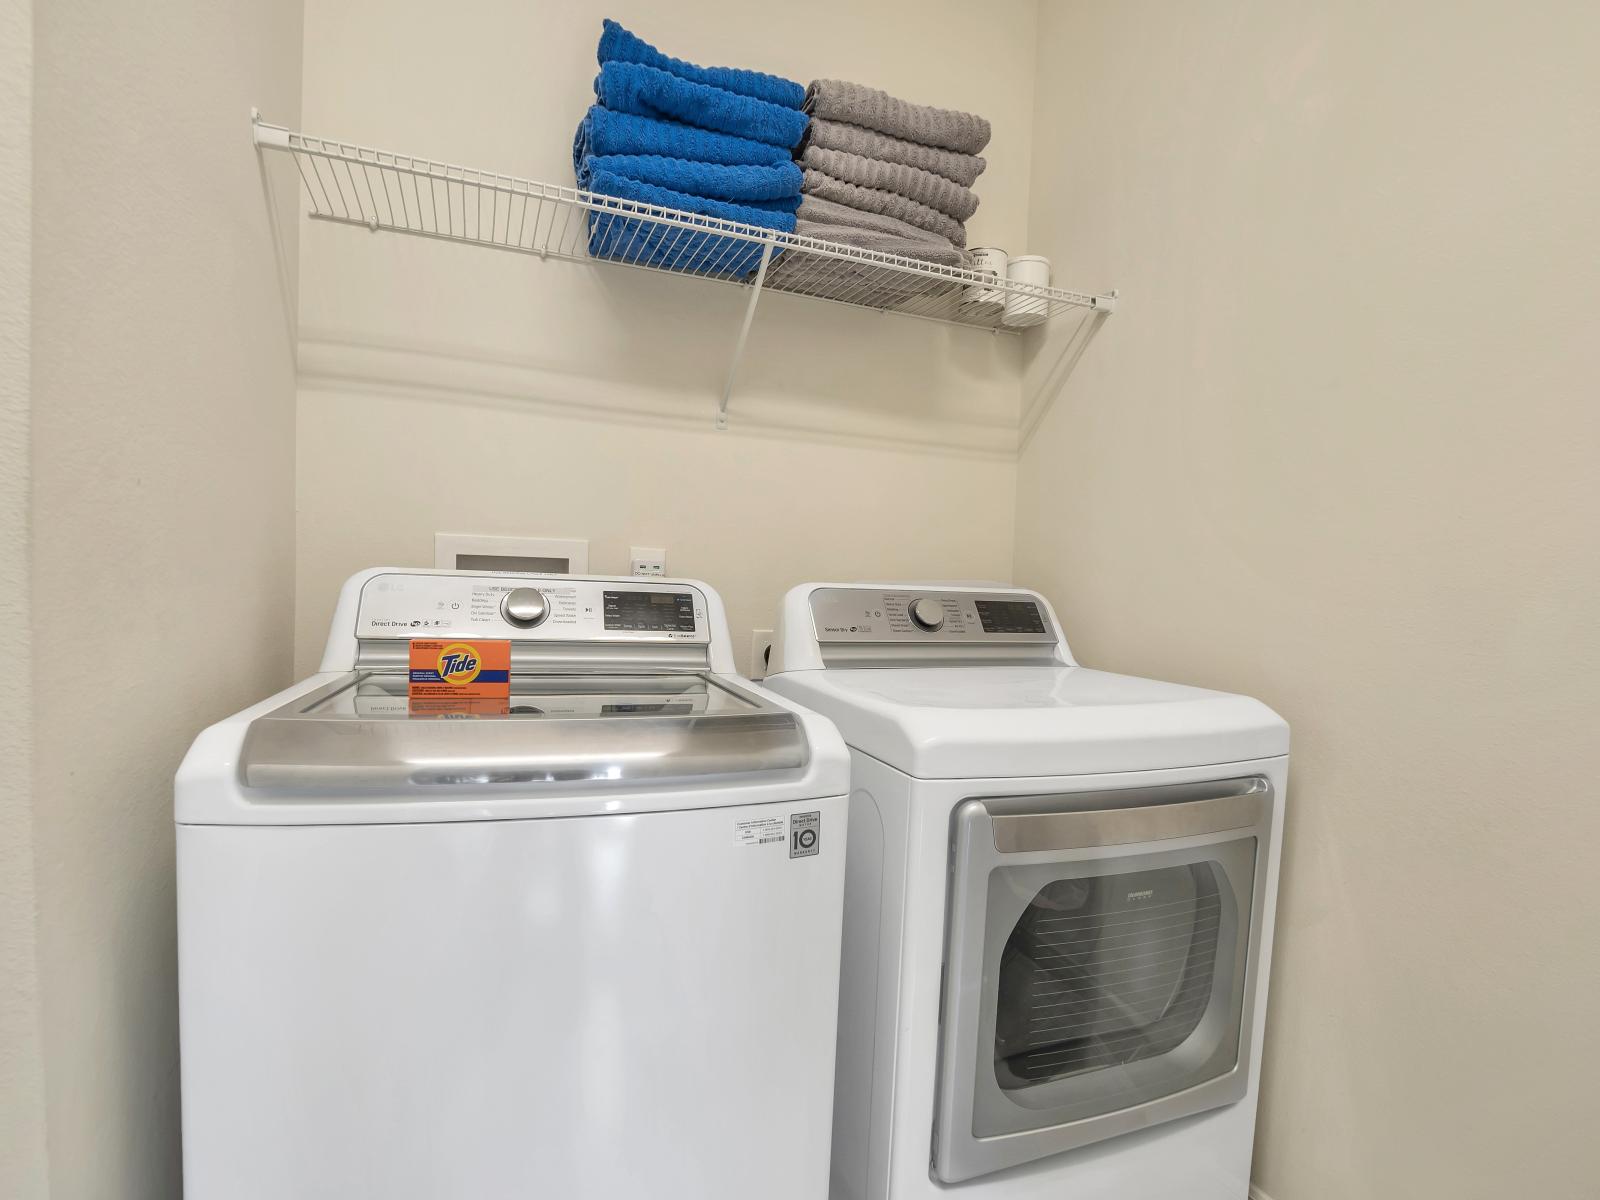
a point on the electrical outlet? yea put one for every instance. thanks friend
(760, 652)
(645, 560)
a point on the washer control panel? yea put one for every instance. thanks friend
(928, 615)
(554, 608)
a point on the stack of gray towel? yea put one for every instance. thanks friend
(886, 175)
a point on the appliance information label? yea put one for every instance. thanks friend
(758, 831)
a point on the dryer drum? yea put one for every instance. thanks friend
(1104, 971)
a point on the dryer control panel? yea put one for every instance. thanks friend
(849, 625)
(530, 608)
(929, 615)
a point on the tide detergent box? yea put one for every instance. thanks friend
(452, 670)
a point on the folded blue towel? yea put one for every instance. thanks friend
(787, 204)
(713, 180)
(618, 45)
(607, 132)
(638, 241)
(608, 183)
(648, 92)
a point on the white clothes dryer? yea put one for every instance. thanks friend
(580, 943)
(1058, 908)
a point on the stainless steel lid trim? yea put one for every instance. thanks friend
(294, 749)
(587, 658)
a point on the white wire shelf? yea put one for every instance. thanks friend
(350, 184)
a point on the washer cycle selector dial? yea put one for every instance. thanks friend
(525, 607)
(927, 614)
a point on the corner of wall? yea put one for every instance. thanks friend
(23, 1148)
(159, 450)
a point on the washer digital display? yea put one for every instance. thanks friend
(1009, 616)
(649, 612)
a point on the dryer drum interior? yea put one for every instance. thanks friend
(1104, 971)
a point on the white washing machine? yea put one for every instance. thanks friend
(580, 944)
(1058, 907)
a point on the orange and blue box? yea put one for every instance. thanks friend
(451, 669)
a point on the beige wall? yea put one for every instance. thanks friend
(1338, 449)
(585, 396)
(22, 1120)
(751, 514)
(162, 455)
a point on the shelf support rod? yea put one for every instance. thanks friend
(744, 334)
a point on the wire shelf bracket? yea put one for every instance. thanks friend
(349, 184)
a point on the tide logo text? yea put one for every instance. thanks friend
(459, 664)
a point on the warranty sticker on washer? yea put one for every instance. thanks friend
(805, 834)
(758, 831)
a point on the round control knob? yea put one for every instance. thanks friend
(525, 607)
(927, 614)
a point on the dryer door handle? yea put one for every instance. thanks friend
(1026, 833)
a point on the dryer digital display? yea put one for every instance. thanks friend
(1009, 616)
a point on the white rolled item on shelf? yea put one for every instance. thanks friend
(977, 301)
(1021, 308)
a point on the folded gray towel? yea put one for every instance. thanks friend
(888, 204)
(815, 211)
(869, 143)
(915, 184)
(862, 283)
(872, 231)
(837, 100)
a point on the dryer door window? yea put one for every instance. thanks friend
(1113, 989)
(1099, 987)
(1107, 970)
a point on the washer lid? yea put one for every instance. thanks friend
(1018, 721)
(361, 731)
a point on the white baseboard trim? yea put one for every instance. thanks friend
(1257, 1194)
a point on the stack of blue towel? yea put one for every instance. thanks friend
(715, 141)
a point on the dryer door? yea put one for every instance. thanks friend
(1100, 966)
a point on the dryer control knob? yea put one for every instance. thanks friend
(525, 607)
(927, 614)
